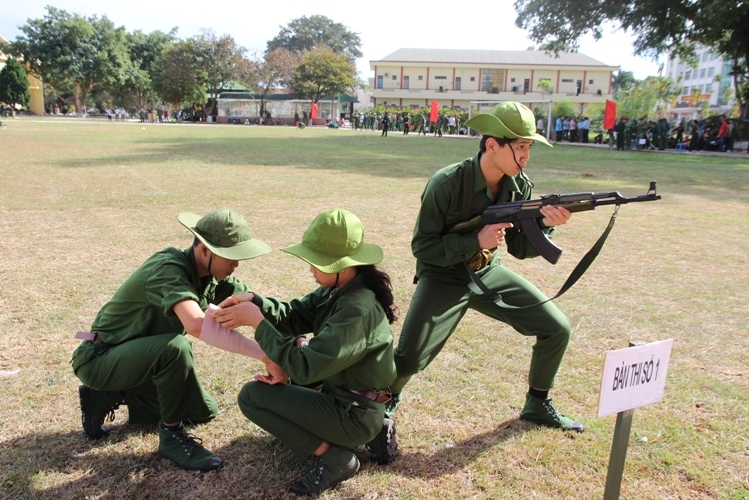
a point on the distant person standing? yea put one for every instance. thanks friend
(722, 134)
(584, 127)
(573, 129)
(620, 129)
(566, 129)
(559, 128)
(385, 123)
(540, 126)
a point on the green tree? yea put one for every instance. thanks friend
(14, 85)
(308, 33)
(659, 26)
(623, 81)
(564, 108)
(220, 59)
(322, 72)
(136, 85)
(270, 71)
(666, 91)
(178, 78)
(68, 50)
(544, 85)
(640, 100)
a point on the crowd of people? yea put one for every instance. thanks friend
(572, 129)
(334, 376)
(705, 135)
(407, 122)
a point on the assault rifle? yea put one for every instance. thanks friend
(527, 215)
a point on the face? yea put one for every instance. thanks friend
(511, 158)
(323, 279)
(222, 268)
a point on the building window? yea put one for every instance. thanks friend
(708, 88)
(512, 80)
(473, 78)
(421, 77)
(710, 71)
(379, 82)
(705, 56)
(395, 77)
(567, 80)
(440, 78)
(702, 73)
(405, 81)
(457, 83)
(492, 80)
(688, 75)
(590, 82)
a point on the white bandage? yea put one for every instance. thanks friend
(229, 340)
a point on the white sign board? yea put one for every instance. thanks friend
(634, 377)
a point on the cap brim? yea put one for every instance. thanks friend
(243, 251)
(368, 254)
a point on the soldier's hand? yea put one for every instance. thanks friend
(554, 216)
(275, 375)
(242, 314)
(236, 299)
(493, 235)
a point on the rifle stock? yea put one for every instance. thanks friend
(527, 215)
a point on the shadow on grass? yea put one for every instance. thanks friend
(69, 465)
(350, 152)
(453, 459)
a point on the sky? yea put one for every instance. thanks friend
(383, 27)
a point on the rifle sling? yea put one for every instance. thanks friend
(478, 287)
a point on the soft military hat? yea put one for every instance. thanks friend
(225, 233)
(335, 241)
(507, 120)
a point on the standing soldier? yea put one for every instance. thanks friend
(458, 193)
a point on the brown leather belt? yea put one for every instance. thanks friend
(381, 396)
(91, 337)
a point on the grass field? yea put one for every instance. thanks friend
(82, 204)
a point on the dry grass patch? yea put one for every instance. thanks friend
(83, 204)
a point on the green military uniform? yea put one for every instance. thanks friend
(640, 129)
(620, 129)
(442, 297)
(143, 351)
(352, 348)
(630, 134)
(663, 129)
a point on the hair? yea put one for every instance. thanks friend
(501, 141)
(379, 282)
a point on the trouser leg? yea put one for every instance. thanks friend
(546, 322)
(303, 418)
(158, 371)
(436, 309)
(439, 304)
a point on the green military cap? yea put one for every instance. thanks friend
(507, 120)
(335, 241)
(225, 233)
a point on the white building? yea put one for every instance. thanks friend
(710, 79)
(455, 78)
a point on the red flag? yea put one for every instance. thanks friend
(435, 112)
(313, 111)
(609, 116)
